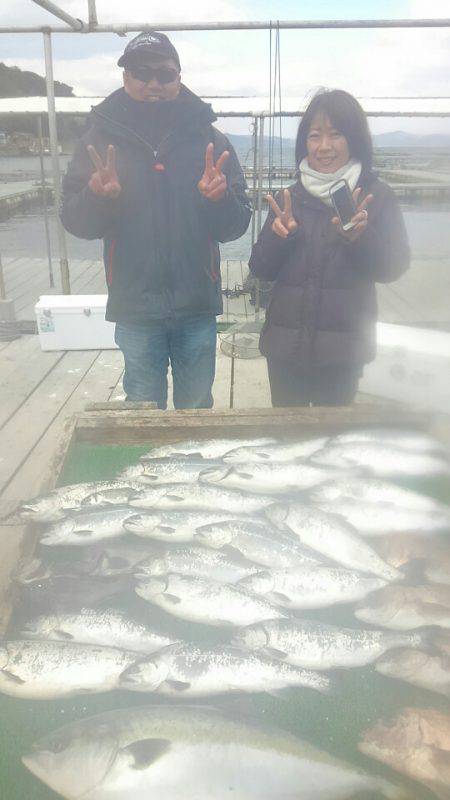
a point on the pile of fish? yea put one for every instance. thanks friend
(226, 547)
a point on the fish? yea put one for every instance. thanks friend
(272, 478)
(196, 561)
(88, 526)
(332, 537)
(311, 587)
(415, 743)
(105, 627)
(42, 670)
(56, 505)
(421, 669)
(283, 451)
(416, 441)
(201, 498)
(203, 448)
(176, 752)
(378, 519)
(259, 542)
(168, 525)
(374, 490)
(157, 472)
(382, 460)
(315, 645)
(402, 608)
(205, 601)
(192, 670)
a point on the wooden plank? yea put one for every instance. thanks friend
(155, 426)
(28, 425)
(21, 377)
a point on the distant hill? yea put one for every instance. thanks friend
(15, 82)
(392, 139)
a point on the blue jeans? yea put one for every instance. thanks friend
(188, 345)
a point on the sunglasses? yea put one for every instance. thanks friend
(162, 74)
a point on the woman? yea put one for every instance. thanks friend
(320, 325)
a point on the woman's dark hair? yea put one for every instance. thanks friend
(347, 116)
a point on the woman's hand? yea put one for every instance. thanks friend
(359, 220)
(284, 222)
(213, 183)
(104, 181)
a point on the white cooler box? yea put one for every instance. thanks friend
(74, 322)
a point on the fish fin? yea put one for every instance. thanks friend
(436, 609)
(244, 475)
(172, 598)
(166, 528)
(11, 677)
(64, 635)
(175, 497)
(272, 652)
(147, 751)
(280, 597)
(179, 686)
(83, 533)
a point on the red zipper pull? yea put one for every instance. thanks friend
(158, 167)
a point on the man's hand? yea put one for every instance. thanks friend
(284, 222)
(213, 183)
(359, 220)
(104, 181)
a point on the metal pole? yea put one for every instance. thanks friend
(44, 202)
(260, 173)
(2, 282)
(75, 24)
(232, 371)
(93, 20)
(333, 24)
(255, 170)
(63, 260)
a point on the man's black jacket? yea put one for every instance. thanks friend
(160, 235)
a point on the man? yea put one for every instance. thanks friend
(162, 187)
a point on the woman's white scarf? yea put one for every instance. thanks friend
(318, 183)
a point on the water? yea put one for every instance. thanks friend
(333, 723)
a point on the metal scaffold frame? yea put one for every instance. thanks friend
(92, 25)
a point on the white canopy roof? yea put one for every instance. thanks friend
(245, 106)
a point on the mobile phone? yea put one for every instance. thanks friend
(343, 203)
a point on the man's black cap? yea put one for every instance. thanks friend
(146, 46)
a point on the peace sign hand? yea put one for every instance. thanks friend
(284, 222)
(104, 181)
(360, 219)
(213, 183)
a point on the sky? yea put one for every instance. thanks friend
(367, 63)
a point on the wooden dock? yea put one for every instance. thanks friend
(20, 195)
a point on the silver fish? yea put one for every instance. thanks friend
(259, 542)
(421, 669)
(156, 472)
(314, 645)
(377, 519)
(43, 669)
(311, 587)
(202, 448)
(105, 627)
(59, 502)
(174, 526)
(86, 527)
(403, 608)
(382, 460)
(415, 441)
(199, 497)
(271, 478)
(205, 601)
(332, 537)
(374, 490)
(196, 561)
(191, 670)
(275, 452)
(175, 752)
